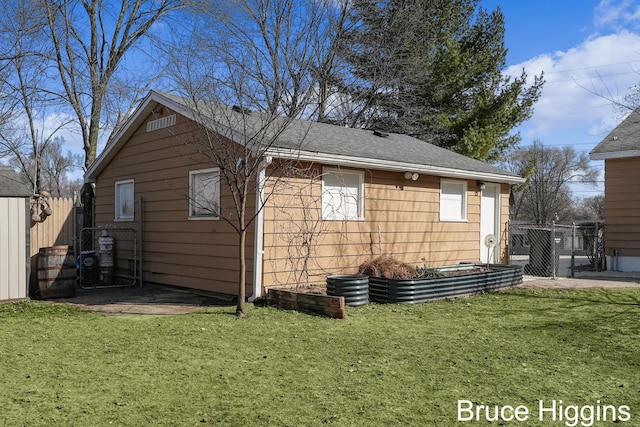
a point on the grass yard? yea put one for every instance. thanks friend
(387, 365)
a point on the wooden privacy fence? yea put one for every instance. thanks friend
(57, 229)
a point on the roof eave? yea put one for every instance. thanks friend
(375, 164)
(614, 155)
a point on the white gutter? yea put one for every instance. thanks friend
(259, 230)
(366, 163)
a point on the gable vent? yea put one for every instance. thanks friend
(162, 122)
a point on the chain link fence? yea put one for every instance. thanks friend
(108, 257)
(557, 249)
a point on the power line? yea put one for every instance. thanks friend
(573, 79)
(593, 67)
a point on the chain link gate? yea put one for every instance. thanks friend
(109, 257)
(557, 249)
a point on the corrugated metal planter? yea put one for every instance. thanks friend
(413, 291)
(353, 287)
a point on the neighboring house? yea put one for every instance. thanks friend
(15, 220)
(620, 151)
(334, 197)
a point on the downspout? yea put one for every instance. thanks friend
(259, 230)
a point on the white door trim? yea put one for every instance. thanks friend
(490, 225)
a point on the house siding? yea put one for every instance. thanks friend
(198, 254)
(401, 219)
(622, 204)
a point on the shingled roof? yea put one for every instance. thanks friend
(623, 141)
(324, 143)
(12, 184)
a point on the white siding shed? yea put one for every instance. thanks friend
(15, 221)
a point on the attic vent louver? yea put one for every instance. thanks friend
(239, 109)
(162, 122)
(380, 134)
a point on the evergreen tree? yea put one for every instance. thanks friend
(433, 69)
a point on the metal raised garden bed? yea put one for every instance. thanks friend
(413, 291)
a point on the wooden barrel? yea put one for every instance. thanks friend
(56, 272)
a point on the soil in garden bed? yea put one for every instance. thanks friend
(317, 289)
(464, 272)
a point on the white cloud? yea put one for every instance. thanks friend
(578, 81)
(617, 14)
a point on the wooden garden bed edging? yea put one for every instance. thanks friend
(326, 305)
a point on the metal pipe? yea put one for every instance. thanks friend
(573, 249)
(553, 249)
(595, 248)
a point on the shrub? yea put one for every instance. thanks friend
(387, 267)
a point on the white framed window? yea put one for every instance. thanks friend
(342, 194)
(124, 201)
(453, 200)
(204, 194)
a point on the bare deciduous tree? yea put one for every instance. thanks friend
(24, 137)
(55, 168)
(546, 196)
(64, 60)
(590, 209)
(90, 40)
(258, 57)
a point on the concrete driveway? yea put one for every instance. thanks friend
(585, 280)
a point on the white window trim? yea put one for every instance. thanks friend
(449, 218)
(117, 201)
(209, 217)
(332, 216)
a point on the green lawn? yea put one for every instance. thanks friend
(387, 365)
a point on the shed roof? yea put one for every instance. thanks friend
(12, 184)
(621, 142)
(314, 141)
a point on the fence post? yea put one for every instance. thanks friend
(553, 249)
(573, 248)
(140, 247)
(596, 244)
(509, 242)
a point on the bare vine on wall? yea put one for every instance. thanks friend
(299, 213)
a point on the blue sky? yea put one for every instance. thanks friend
(583, 46)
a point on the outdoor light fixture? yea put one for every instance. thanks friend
(412, 176)
(481, 185)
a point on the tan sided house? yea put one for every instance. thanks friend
(332, 197)
(620, 151)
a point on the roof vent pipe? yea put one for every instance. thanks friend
(239, 109)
